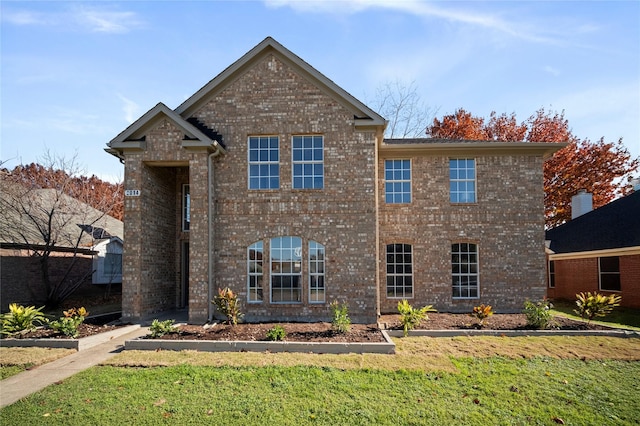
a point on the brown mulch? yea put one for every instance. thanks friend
(84, 330)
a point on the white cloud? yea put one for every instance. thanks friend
(106, 21)
(130, 108)
(551, 70)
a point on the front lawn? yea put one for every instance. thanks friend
(417, 386)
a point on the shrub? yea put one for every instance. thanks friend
(228, 305)
(276, 333)
(481, 313)
(538, 314)
(340, 321)
(70, 322)
(160, 328)
(594, 305)
(410, 317)
(20, 319)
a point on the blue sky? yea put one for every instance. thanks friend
(75, 74)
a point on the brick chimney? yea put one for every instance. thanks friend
(581, 203)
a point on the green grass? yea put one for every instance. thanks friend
(619, 317)
(483, 391)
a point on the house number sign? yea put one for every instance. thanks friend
(131, 192)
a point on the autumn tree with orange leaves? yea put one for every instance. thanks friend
(602, 168)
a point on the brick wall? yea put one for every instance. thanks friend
(272, 99)
(581, 275)
(506, 223)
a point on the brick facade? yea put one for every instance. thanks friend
(573, 276)
(270, 92)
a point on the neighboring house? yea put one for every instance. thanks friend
(597, 251)
(20, 271)
(277, 183)
(107, 261)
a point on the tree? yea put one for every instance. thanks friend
(400, 104)
(46, 221)
(602, 168)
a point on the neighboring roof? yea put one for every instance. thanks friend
(436, 146)
(612, 226)
(364, 115)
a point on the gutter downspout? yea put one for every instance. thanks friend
(210, 224)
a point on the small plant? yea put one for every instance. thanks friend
(276, 333)
(538, 313)
(228, 305)
(340, 321)
(21, 319)
(160, 328)
(70, 322)
(410, 317)
(594, 305)
(481, 313)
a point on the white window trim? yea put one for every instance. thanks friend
(477, 274)
(474, 180)
(258, 162)
(254, 274)
(410, 180)
(609, 273)
(413, 286)
(303, 162)
(316, 274)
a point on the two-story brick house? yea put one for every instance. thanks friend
(277, 183)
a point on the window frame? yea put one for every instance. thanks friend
(318, 272)
(295, 276)
(303, 162)
(255, 279)
(403, 275)
(269, 163)
(456, 195)
(401, 181)
(186, 207)
(552, 273)
(468, 275)
(611, 274)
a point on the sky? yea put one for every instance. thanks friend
(73, 74)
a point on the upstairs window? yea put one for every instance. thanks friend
(264, 162)
(397, 181)
(464, 271)
(609, 273)
(462, 180)
(399, 271)
(186, 208)
(308, 162)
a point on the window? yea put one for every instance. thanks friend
(186, 208)
(254, 272)
(462, 180)
(397, 181)
(264, 162)
(316, 272)
(286, 271)
(552, 274)
(308, 162)
(399, 271)
(609, 273)
(464, 271)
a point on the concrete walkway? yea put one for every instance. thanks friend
(24, 384)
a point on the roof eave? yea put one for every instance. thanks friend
(473, 147)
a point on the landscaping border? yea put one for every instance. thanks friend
(387, 348)
(77, 344)
(516, 333)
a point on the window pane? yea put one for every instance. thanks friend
(464, 270)
(397, 181)
(308, 167)
(263, 162)
(462, 186)
(399, 271)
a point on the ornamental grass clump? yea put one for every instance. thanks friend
(594, 305)
(228, 305)
(410, 317)
(69, 324)
(481, 313)
(21, 319)
(340, 321)
(538, 314)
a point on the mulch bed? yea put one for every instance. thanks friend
(84, 330)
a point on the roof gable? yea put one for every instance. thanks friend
(614, 225)
(363, 115)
